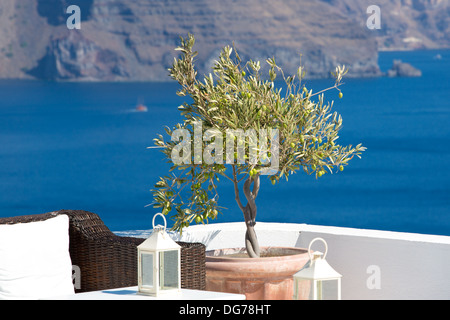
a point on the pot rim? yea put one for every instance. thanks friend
(224, 258)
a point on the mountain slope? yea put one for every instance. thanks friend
(134, 40)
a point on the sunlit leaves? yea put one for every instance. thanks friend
(236, 96)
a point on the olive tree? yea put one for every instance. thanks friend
(238, 126)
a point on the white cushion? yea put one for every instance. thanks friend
(34, 259)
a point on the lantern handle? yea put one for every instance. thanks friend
(159, 214)
(314, 240)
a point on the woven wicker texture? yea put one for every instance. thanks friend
(107, 261)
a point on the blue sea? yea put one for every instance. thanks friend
(82, 146)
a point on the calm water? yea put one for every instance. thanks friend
(80, 146)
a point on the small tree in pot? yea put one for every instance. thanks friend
(240, 127)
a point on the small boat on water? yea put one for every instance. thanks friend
(141, 108)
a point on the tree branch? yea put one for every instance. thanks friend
(236, 189)
(256, 185)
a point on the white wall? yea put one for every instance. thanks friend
(374, 264)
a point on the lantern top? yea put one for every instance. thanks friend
(317, 268)
(159, 239)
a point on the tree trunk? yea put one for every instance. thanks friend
(251, 241)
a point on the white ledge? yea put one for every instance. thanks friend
(375, 264)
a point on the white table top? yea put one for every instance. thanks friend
(130, 293)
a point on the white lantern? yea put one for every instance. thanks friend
(159, 263)
(317, 280)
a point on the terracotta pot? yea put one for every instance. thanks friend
(265, 278)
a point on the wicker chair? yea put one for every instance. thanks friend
(107, 261)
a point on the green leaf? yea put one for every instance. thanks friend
(308, 131)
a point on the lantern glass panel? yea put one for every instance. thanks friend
(303, 289)
(317, 289)
(169, 269)
(327, 289)
(147, 263)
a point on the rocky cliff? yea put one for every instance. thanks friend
(405, 24)
(123, 40)
(403, 69)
